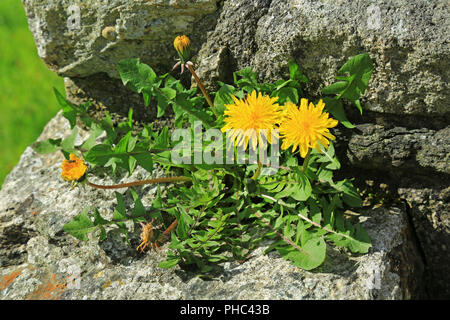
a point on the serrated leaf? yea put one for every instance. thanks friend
(351, 195)
(287, 94)
(335, 88)
(182, 228)
(353, 85)
(184, 102)
(47, 146)
(170, 263)
(138, 76)
(68, 109)
(144, 159)
(336, 109)
(162, 141)
(119, 210)
(95, 132)
(131, 164)
(100, 154)
(138, 209)
(157, 202)
(304, 189)
(80, 226)
(223, 97)
(164, 97)
(328, 156)
(98, 219)
(295, 73)
(121, 147)
(68, 144)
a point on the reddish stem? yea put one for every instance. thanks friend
(140, 183)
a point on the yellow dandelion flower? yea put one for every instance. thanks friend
(73, 169)
(304, 127)
(182, 45)
(251, 119)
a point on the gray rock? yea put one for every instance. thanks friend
(408, 41)
(40, 261)
(398, 150)
(88, 37)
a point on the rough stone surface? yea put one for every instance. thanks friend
(82, 38)
(408, 43)
(40, 261)
(398, 150)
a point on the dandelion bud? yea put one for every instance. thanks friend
(182, 45)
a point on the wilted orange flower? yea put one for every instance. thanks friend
(304, 127)
(73, 169)
(251, 119)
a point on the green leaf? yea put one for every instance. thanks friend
(182, 229)
(47, 146)
(157, 202)
(100, 154)
(143, 159)
(354, 79)
(315, 213)
(68, 144)
(119, 211)
(188, 105)
(170, 263)
(287, 94)
(95, 132)
(248, 81)
(164, 97)
(361, 241)
(335, 88)
(312, 254)
(68, 109)
(138, 76)
(325, 175)
(223, 97)
(121, 147)
(80, 226)
(351, 195)
(131, 164)
(139, 209)
(98, 219)
(162, 140)
(295, 73)
(304, 188)
(328, 156)
(336, 109)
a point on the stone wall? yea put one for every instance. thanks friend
(402, 140)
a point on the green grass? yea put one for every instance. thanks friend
(27, 101)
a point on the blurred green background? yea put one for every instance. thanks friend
(27, 101)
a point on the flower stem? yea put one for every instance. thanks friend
(258, 171)
(305, 162)
(140, 183)
(267, 224)
(202, 88)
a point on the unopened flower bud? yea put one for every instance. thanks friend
(182, 45)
